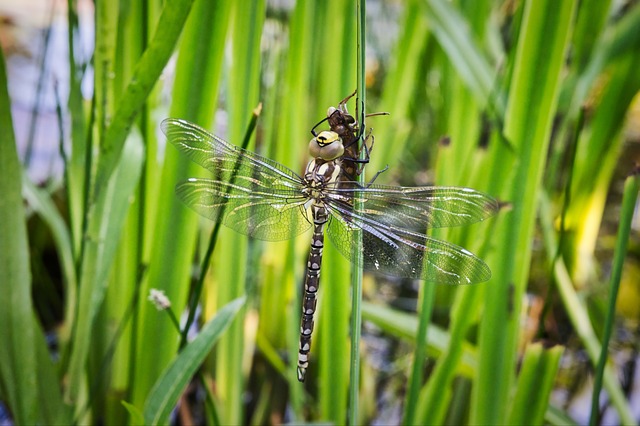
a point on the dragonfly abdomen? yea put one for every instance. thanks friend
(311, 284)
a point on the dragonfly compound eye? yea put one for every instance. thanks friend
(327, 145)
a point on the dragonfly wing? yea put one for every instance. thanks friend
(251, 210)
(390, 250)
(419, 208)
(225, 160)
(251, 194)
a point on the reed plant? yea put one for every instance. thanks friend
(525, 101)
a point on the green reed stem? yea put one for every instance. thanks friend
(630, 195)
(206, 261)
(419, 354)
(356, 271)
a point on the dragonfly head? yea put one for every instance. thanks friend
(327, 145)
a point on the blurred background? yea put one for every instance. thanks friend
(534, 103)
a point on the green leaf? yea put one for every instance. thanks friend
(231, 271)
(401, 85)
(454, 35)
(137, 418)
(169, 387)
(579, 316)
(629, 205)
(28, 381)
(146, 73)
(41, 203)
(405, 325)
(532, 106)
(106, 221)
(535, 382)
(172, 244)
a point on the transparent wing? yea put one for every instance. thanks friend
(419, 208)
(225, 160)
(249, 193)
(391, 250)
(270, 216)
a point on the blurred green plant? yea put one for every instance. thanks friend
(481, 94)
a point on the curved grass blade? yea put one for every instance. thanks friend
(630, 196)
(28, 381)
(165, 393)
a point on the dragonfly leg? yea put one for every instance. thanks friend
(378, 173)
(356, 160)
(343, 103)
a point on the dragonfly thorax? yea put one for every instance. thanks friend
(318, 175)
(327, 145)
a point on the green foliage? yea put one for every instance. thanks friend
(27, 378)
(506, 83)
(170, 386)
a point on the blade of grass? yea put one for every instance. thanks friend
(75, 164)
(591, 18)
(230, 274)
(338, 29)
(206, 260)
(28, 381)
(535, 382)
(88, 262)
(198, 290)
(596, 158)
(578, 314)
(356, 270)
(629, 198)
(106, 221)
(194, 98)
(400, 87)
(42, 77)
(617, 41)
(454, 36)
(464, 315)
(434, 401)
(287, 144)
(558, 417)
(170, 385)
(427, 297)
(330, 349)
(147, 71)
(42, 203)
(405, 326)
(533, 98)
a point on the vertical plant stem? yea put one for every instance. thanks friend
(333, 342)
(631, 187)
(356, 271)
(206, 261)
(18, 365)
(33, 124)
(578, 314)
(146, 73)
(231, 274)
(74, 167)
(172, 243)
(415, 381)
(542, 45)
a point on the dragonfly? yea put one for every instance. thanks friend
(266, 200)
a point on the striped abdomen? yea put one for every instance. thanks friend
(311, 284)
